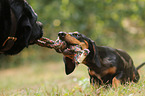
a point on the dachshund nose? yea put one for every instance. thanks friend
(61, 34)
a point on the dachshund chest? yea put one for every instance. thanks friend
(103, 72)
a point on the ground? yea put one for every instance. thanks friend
(50, 80)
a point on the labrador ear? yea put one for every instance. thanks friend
(94, 53)
(69, 65)
(26, 29)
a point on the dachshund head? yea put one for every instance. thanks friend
(76, 38)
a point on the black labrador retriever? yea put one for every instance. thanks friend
(106, 65)
(18, 26)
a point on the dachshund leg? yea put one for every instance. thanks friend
(115, 82)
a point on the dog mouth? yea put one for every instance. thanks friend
(76, 52)
(38, 34)
(34, 41)
(68, 38)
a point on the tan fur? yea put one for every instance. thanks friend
(115, 82)
(111, 70)
(93, 73)
(73, 40)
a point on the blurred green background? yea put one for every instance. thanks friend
(114, 23)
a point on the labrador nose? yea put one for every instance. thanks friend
(62, 35)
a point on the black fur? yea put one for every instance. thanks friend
(28, 29)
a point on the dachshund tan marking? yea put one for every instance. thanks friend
(71, 40)
(115, 82)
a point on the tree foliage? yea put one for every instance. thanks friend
(107, 22)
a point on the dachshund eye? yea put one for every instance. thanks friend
(76, 34)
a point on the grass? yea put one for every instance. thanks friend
(50, 80)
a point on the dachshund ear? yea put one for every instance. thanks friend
(69, 65)
(95, 55)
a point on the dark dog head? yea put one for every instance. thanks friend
(76, 38)
(28, 29)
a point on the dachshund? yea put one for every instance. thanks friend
(106, 65)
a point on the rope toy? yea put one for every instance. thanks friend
(77, 53)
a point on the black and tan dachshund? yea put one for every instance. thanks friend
(106, 65)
